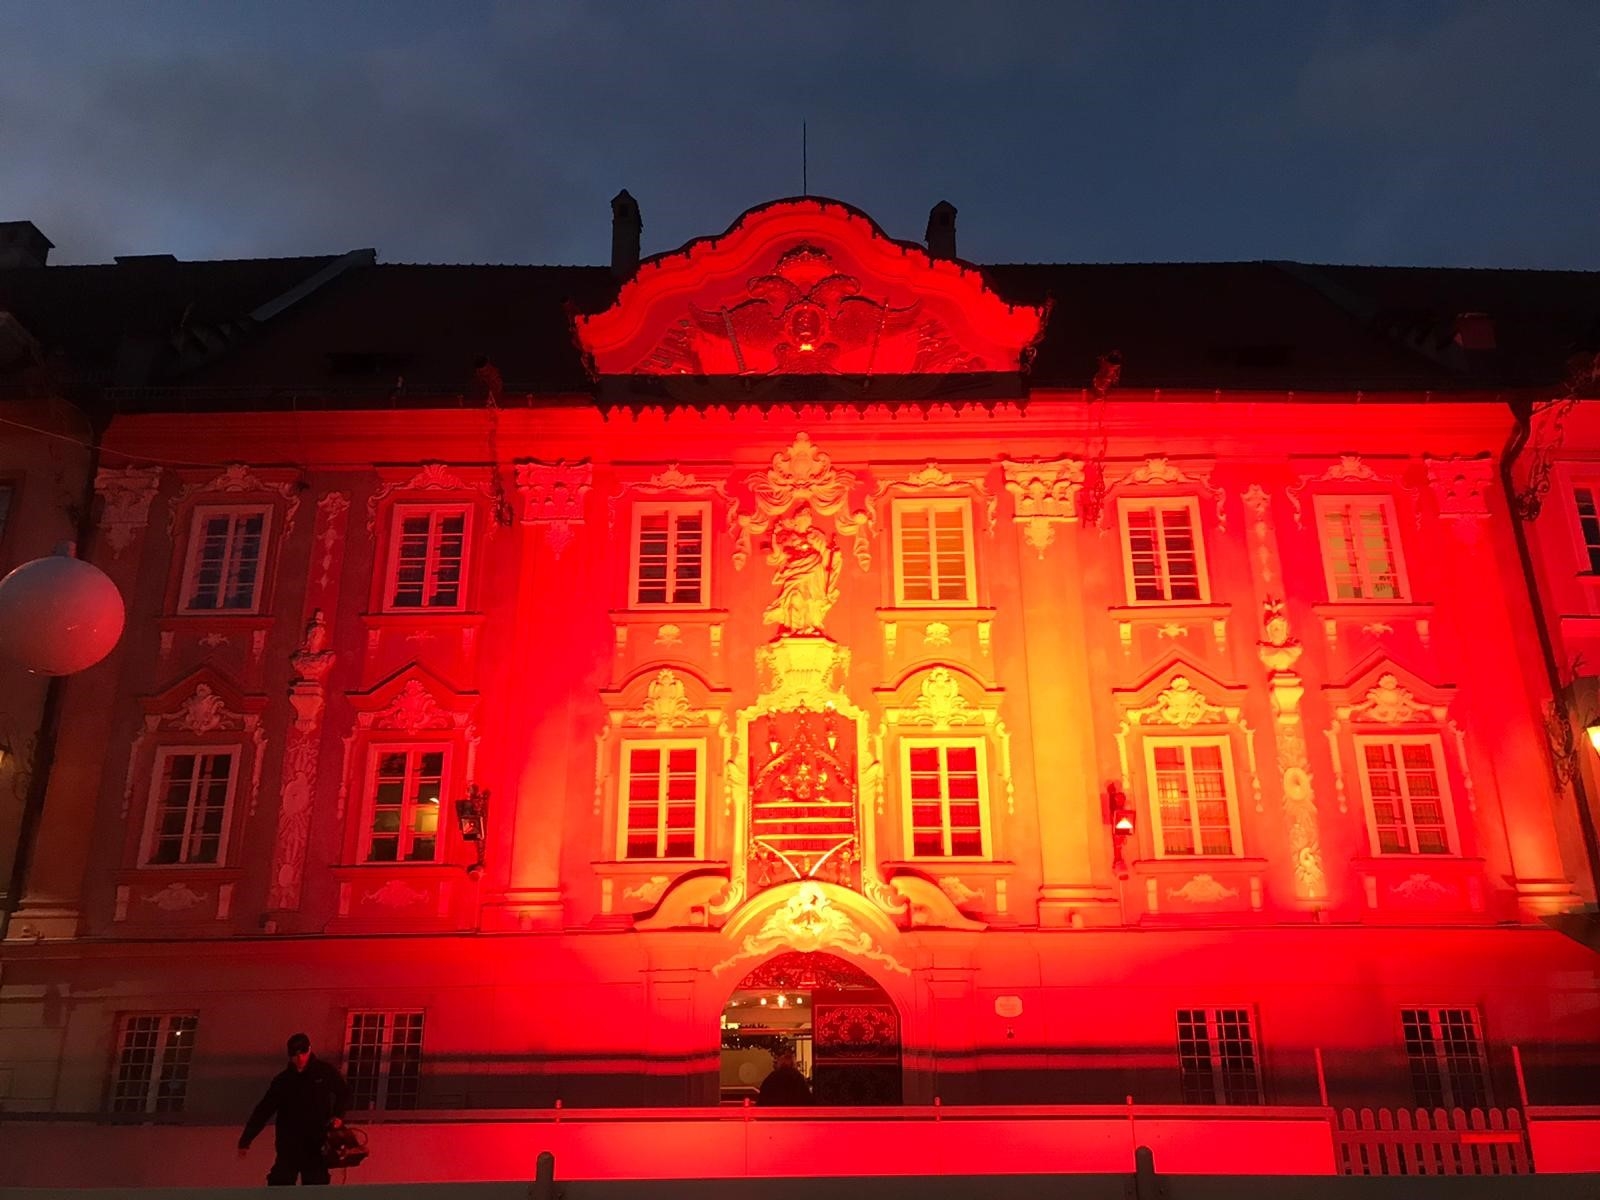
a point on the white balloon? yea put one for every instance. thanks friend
(59, 615)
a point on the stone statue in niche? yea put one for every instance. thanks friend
(807, 563)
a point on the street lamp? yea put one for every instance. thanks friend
(1593, 730)
(472, 819)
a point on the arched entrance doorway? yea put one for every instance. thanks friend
(842, 1026)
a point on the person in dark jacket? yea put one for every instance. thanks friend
(785, 1087)
(308, 1097)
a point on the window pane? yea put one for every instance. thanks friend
(1589, 525)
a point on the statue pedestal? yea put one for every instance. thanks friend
(802, 671)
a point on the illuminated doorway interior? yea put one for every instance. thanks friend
(843, 1028)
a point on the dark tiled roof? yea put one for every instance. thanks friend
(400, 333)
(142, 318)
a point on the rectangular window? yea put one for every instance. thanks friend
(945, 789)
(405, 791)
(1445, 1047)
(1407, 800)
(933, 553)
(428, 558)
(190, 795)
(1589, 525)
(670, 563)
(1163, 558)
(152, 1068)
(1192, 798)
(383, 1059)
(227, 548)
(1360, 552)
(665, 784)
(1217, 1056)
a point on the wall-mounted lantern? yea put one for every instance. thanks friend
(472, 818)
(1123, 821)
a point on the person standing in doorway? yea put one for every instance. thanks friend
(308, 1097)
(786, 1087)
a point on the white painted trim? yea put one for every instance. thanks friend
(158, 776)
(944, 744)
(1188, 744)
(898, 509)
(624, 778)
(192, 557)
(369, 800)
(671, 509)
(1158, 505)
(1321, 505)
(392, 564)
(1441, 772)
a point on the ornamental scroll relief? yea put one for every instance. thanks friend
(801, 475)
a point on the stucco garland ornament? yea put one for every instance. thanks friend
(809, 922)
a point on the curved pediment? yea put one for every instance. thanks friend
(807, 287)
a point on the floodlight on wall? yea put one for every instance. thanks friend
(472, 819)
(1593, 730)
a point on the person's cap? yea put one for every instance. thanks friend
(299, 1044)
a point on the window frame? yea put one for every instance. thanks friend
(907, 824)
(150, 1100)
(147, 838)
(369, 802)
(1588, 558)
(624, 789)
(384, 1078)
(1224, 743)
(1441, 768)
(671, 509)
(1440, 1060)
(434, 510)
(898, 509)
(1216, 1080)
(1321, 504)
(186, 583)
(1159, 504)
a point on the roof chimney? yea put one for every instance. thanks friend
(22, 245)
(626, 226)
(941, 235)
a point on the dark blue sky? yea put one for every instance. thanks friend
(1438, 133)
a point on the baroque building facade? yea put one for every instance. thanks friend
(1036, 702)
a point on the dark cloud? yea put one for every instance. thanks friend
(1437, 132)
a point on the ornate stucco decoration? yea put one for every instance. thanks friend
(1164, 473)
(396, 893)
(800, 475)
(237, 479)
(940, 705)
(430, 477)
(201, 712)
(1044, 495)
(553, 496)
(1350, 469)
(810, 920)
(328, 541)
(932, 480)
(1461, 487)
(805, 287)
(1181, 705)
(127, 493)
(806, 569)
(669, 483)
(1203, 889)
(412, 707)
(175, 897)
(1390, 703)
(670, 701)
(1422, 888)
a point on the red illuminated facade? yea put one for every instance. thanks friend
(1053, 684)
